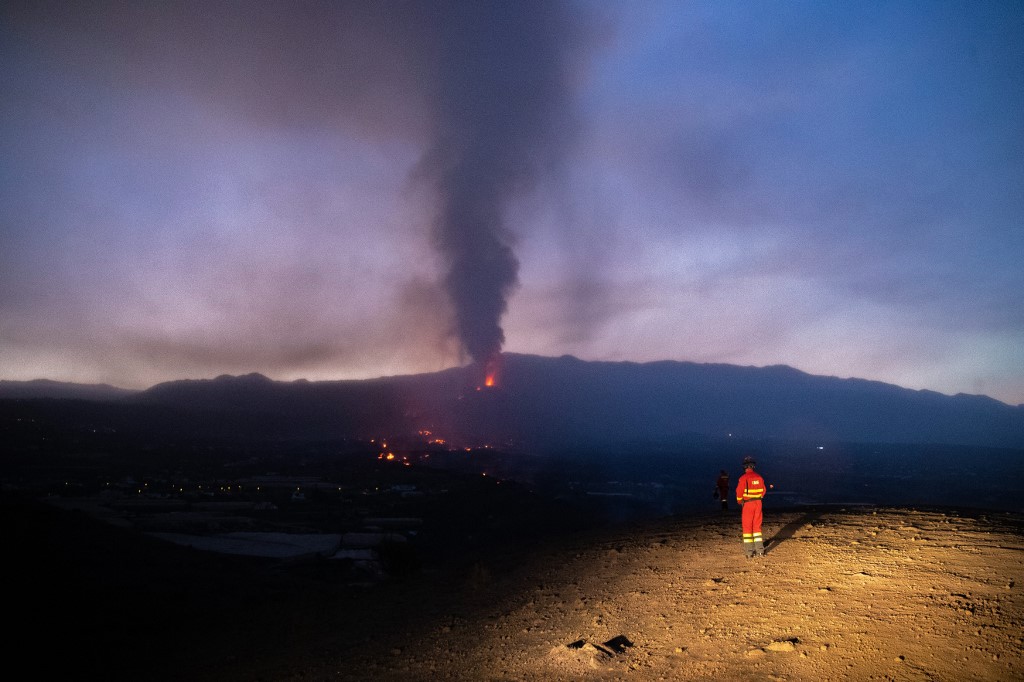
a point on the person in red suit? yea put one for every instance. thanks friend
(722, 489)
(749, 493)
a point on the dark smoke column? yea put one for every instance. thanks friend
(502, 103)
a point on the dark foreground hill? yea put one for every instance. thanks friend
(552, 403)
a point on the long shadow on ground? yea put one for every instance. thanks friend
(790, 529)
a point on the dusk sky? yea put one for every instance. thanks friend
(335, 190)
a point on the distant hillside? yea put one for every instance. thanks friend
(548, 403)
(559, 402)
(670, 399)
(44, 388)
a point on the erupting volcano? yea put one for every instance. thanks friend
(492, 371)
(487, 374)
(500, 118)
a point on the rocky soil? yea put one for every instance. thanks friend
(842, 593)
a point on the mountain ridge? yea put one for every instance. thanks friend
(547, 402)
(48, 388)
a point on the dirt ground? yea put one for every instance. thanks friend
(842, 594)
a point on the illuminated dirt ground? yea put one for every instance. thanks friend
(849, 593)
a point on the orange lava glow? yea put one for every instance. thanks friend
(492, 368)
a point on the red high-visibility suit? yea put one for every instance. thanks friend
(749, 492)
(723, 489)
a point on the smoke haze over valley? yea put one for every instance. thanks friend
(562, 421)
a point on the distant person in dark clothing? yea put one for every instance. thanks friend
(722, 489)
(749, 493)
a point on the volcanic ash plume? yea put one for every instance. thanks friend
(501, 118)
